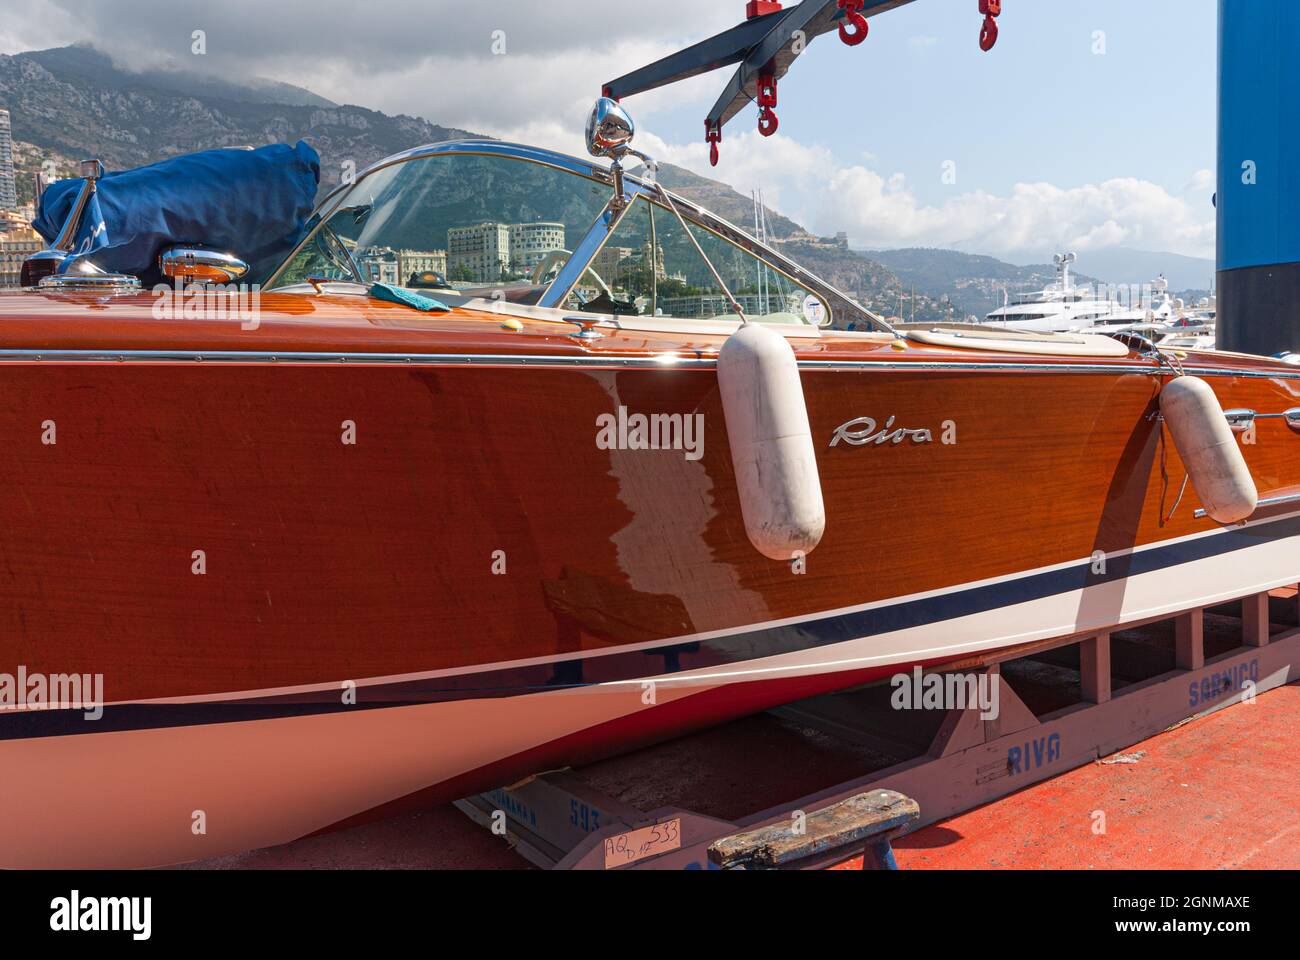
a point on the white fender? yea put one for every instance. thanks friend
(771, 443)
(1208, 449)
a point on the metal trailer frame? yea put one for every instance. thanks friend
(557, 821)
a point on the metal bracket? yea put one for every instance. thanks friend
(586, 328)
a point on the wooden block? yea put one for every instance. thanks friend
(1189, 639)
(1013, 715)
(960, 730)
(1254, 620)
(1094, 668)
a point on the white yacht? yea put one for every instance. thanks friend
(1063, 307)
(1197, 338)
(1194, 328)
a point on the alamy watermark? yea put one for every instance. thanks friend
(76, 913)
(919, 690)
(22, 690)
(654, 431)
(235, 302)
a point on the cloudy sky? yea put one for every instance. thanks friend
(1090, 126)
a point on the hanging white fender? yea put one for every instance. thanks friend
(1208, 449)
(771, 443)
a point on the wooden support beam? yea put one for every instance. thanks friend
(1013, 715)
(960, 730)
(1189, 639)
(1254, 620)
(1094, 668)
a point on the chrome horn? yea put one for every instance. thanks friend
(201, 264)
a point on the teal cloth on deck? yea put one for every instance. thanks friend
(384, 291)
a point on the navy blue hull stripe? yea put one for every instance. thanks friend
(595, 668)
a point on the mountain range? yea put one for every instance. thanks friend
(73, 102)
(976, 285)
(973, 284)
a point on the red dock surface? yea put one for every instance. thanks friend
(1221, 791)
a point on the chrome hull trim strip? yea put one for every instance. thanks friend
(1264, 502)
(298, 357)
(660, 362)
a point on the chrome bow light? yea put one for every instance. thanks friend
(609, 134)
(609, 130)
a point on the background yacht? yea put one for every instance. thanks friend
(1062, 307)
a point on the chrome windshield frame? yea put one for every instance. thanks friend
(601, 228)
(592, 242)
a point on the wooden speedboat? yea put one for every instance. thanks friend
(340, 555)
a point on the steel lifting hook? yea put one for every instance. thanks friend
(767, 120)
(854, 19)
(989, 32)
(712, 136)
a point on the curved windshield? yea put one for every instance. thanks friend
(465, 222)
(649, 266)
(503, 222)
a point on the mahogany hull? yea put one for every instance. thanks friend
(476, 588)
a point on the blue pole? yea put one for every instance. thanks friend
(1259, 176)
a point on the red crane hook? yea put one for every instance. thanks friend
(855, 20)
(712, 136)
(989, 32)
(767, 121)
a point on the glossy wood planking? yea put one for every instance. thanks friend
(328, 562)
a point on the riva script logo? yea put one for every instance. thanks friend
(864, 431)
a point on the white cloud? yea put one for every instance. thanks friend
(492, 94)
(1034, 216)
(1202, 184)
(808, 183)
(790, 174)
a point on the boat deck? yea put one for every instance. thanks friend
(1219, 790)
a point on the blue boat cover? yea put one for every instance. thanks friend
(252, 203)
